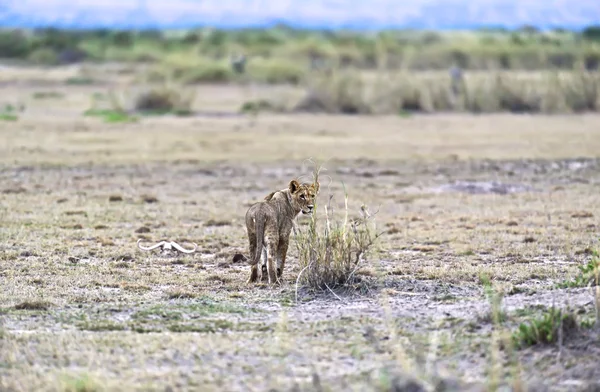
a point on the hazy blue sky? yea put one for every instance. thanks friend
(318, 13)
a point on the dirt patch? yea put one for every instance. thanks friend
(452, 218)
(484, 187)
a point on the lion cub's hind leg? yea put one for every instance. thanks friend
(254, 268)
(272, 242)
(264, 274)
(281, 254)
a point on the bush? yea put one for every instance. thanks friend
(43, 56)
(331, 255)
(123, 39)
(163, 100)
(13, 44)
(56, 39)
(206, 72)
(591, 33)
(276, 71)
(342, 92)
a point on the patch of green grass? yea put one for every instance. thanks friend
(79, 81)
(8, 117)
(286, 300)
(200, 307)
(80, 383)
(202, 326)
(589, 273)
(47, 95)
(100, 325)
(142, 328)
(545, 329)
(111, 116)
(9, 112)
(260, 105)
(158, 112)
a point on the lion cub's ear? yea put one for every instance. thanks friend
(294, 186)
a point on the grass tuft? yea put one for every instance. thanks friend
(164, 100)
(180, 294)
(33, 305)
(261, 105)
(110, 115)
(546, 329)
(330, 256)
(588, 273)
(81, 383)
(8, 117)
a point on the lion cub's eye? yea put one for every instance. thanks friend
(302, 197)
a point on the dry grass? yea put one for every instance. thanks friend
(75, 192)
(400, 93)
(331, 252)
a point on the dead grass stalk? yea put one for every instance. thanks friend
(330, 256)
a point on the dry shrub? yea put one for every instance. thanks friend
(159, 99)
(33, 305)
(167, 98)
(330, 256)
(164, 99)
(275, 71)
(479, 92)
(190, 70)
(336, 92)
(208, 72)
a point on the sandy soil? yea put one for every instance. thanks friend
(515, 198)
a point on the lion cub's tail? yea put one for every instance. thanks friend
(259, 227)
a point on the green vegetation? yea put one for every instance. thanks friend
(80, 383)
(589, 273)
(546, 329)
(337, 69)
(110, 116)
(104, 325)
(154, 100)
(47, 95)
(10, 112)
(525, 48)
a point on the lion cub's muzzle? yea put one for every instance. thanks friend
(308, 209)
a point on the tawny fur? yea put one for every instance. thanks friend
(269, 224)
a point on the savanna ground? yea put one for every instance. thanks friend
(484, 219)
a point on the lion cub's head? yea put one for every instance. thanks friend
(303, 196)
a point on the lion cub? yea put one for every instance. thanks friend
(269, 223)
